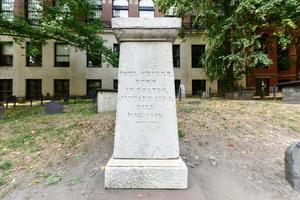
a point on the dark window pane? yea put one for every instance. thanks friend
(92, 86)
(6, 54)
(115, 84)
(33, 88)
(94, 61)
(34, 54)
(6, 88)
(177, 85)
(283, 59)
(176, 56)
(198, 87)
(61, 88)
(197, 53)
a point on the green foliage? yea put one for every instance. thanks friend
(181, 133)
(5, 166)
(54, 179)
(70, 22)
(234, 31)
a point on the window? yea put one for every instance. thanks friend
(115, 84)
(63, 10)
(6, 88)
(198, 87)
(262, 46)
(33, 54)
(33, 88)
(7, 9)
(34, 11)
(62, 55)
(92, 86)
(176, 56)
(94, 61)
(97, 9)
(61, 88)
(283, 59)
(146, 9)
(6, 54)
(197, 53)
(120, 8)
(116, 49)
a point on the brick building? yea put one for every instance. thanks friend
(285, 66)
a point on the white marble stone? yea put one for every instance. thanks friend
(146, 147)
(107, 101)
(151, 174)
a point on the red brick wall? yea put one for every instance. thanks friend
(19, 8)
(272, 72)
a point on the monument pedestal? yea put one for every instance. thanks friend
(150, 174)
(146, 147)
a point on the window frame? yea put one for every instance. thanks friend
(56, 81)
(176, 57)
(88, 89)
(8, 14)
(56, 55)
(199, 65)
(120, 8)
(9, 56)
(90, 58)
(28, 56)
(4, 94)
(146, 9)
(115, 84)
(97, 8)
(34, 21)
(36, 94)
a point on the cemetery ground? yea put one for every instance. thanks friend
(233, 149)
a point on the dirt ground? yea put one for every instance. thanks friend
(234, 151)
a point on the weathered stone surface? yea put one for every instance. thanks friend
(54, 107)
(151, 174)
(292, 165)
(107, 101)
(146, 148)
(291, 94)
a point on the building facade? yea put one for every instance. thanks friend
(61, 69)
(285, 66)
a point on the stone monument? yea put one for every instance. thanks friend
(292, 165)
(146, 147)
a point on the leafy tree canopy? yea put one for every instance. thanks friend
(69, 21)
(235, 29)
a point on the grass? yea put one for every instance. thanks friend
(28, 131)
(181, 133)
(28, 136)
(54, 179)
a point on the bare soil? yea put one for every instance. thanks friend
(234, 151)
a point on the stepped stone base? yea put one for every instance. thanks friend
(146, 174)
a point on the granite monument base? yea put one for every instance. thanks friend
(146, 174)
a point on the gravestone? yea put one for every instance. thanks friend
(146, 147)
(107, 100)
(54, 107)
(292, 165)
(2, 111)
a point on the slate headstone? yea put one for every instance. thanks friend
(2, 111)
(54, 107)
(292, 165)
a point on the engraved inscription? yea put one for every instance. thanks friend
(145, 94)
